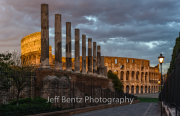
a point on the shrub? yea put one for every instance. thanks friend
(26, 106)
(115, 80)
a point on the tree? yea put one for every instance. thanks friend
(13, 74)
(173, 56)
(21, 78)
(115, 80)
(5, 67)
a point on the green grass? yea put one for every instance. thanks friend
(148, 99)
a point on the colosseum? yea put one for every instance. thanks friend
(136, 75)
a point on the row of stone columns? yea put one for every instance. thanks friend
(101, 70)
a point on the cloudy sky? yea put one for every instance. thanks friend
(125, 28)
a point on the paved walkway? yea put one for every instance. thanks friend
(148, 95)
(138, 109)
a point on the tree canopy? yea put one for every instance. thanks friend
(115, 80)
(173, 56)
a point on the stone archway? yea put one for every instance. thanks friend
(137, 89)
(142, 76)
(141, 89)
(137, 76)
(145, 89)
(146, 74)
(127, 75)
(133, 76)
(132, 89)
(121, 75)
(127, 89)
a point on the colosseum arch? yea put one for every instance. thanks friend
(127, 89)
(137, 75)
(127, 75)
(132, 89)
(141, 88)
(146, 89)
(122, 67)
(116, 72)
(133, 73)
(146, 74)
(122, 75)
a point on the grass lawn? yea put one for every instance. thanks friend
(148, 99)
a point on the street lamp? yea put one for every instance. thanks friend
(161, 59)
(159, 84)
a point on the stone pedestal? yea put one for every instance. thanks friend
(58, 44)
(98, 60)
(89, 56)
(77, 57)
(83, 54)
(44, 37)
(94, 59)
(68, 47)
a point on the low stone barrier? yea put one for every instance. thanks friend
(81, 110)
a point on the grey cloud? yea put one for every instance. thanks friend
(123, 28)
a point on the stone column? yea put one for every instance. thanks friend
(45, 36)
(58, 44)
(130, 75)
(143, 77)
(140, 76)
(99, 60)
(77, 57)
(83, 54)
(148, 77)
(143, 89)
(105, 72)
(102, 66)
(139, 89)
(68, 47)
(94, 59)
(89, 56)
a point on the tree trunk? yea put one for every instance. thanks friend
(18, 97)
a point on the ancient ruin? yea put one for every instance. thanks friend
(136, 74)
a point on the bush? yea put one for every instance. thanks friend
(115, 80)
(26, 106)
(36, 100)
